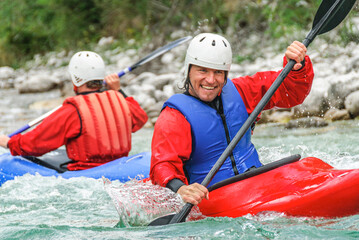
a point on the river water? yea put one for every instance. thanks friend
(35, 207)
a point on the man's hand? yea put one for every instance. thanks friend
(193, 193)
(4, 140)
(297, 52)
(113, 82)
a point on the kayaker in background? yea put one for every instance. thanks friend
(95, 126)
(194, 128)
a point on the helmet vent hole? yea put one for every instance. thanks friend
(202, 39)
(224, 43)
(214, 43)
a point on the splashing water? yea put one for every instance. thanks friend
(140, 202)
(36, 207)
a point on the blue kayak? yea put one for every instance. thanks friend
(54, 164)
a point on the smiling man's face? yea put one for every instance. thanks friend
(206, 82)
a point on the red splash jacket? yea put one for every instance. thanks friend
(64, 127)
(172, 139)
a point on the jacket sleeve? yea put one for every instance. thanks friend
(292, 91)
(138, 115)
(50, 134)
(171, 146)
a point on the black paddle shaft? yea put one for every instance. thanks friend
(160, 51)
(155, 54)
(333, 15)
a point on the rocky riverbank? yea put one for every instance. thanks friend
(334, 95)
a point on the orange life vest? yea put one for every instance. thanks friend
(105, 129)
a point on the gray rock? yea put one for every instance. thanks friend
(168, 90)
(338, 91)
(161, 80)
(307, 122)
(280, 116)
(133, 89)
(352, 103)
(160, 95)
(124, 62)
(38, 83)
(153, 121)
(146, 76)
(6, 73)
(148, 89)
(313, 105)
(334, 114)
(167, 58)
(105, 41)
(67, 89)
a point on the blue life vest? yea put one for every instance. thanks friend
(209, 135)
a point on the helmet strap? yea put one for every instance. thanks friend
(188, 83)
(225, 77)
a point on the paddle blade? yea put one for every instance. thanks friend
(162, 220)
(340, 10)
(174, 218)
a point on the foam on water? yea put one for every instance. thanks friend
(335, 144)
(138, 202)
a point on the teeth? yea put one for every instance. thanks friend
(208, 88)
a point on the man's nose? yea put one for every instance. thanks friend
(210, 77)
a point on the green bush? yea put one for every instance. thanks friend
(36, 26)
(30, 27)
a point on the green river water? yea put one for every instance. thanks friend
(35, 207)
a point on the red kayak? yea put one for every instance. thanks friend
(309, 187)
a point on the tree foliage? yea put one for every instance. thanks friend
(29, 27)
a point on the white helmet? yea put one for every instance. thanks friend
(209, 50)
(86, 66)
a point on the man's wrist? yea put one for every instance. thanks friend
(175, 184)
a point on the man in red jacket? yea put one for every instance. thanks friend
(95, 126)
(194, 128)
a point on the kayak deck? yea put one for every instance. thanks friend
(122, 169)
(309, 187)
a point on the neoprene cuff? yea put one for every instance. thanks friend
(175, 184)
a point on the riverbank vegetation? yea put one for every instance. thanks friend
(30, 27)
